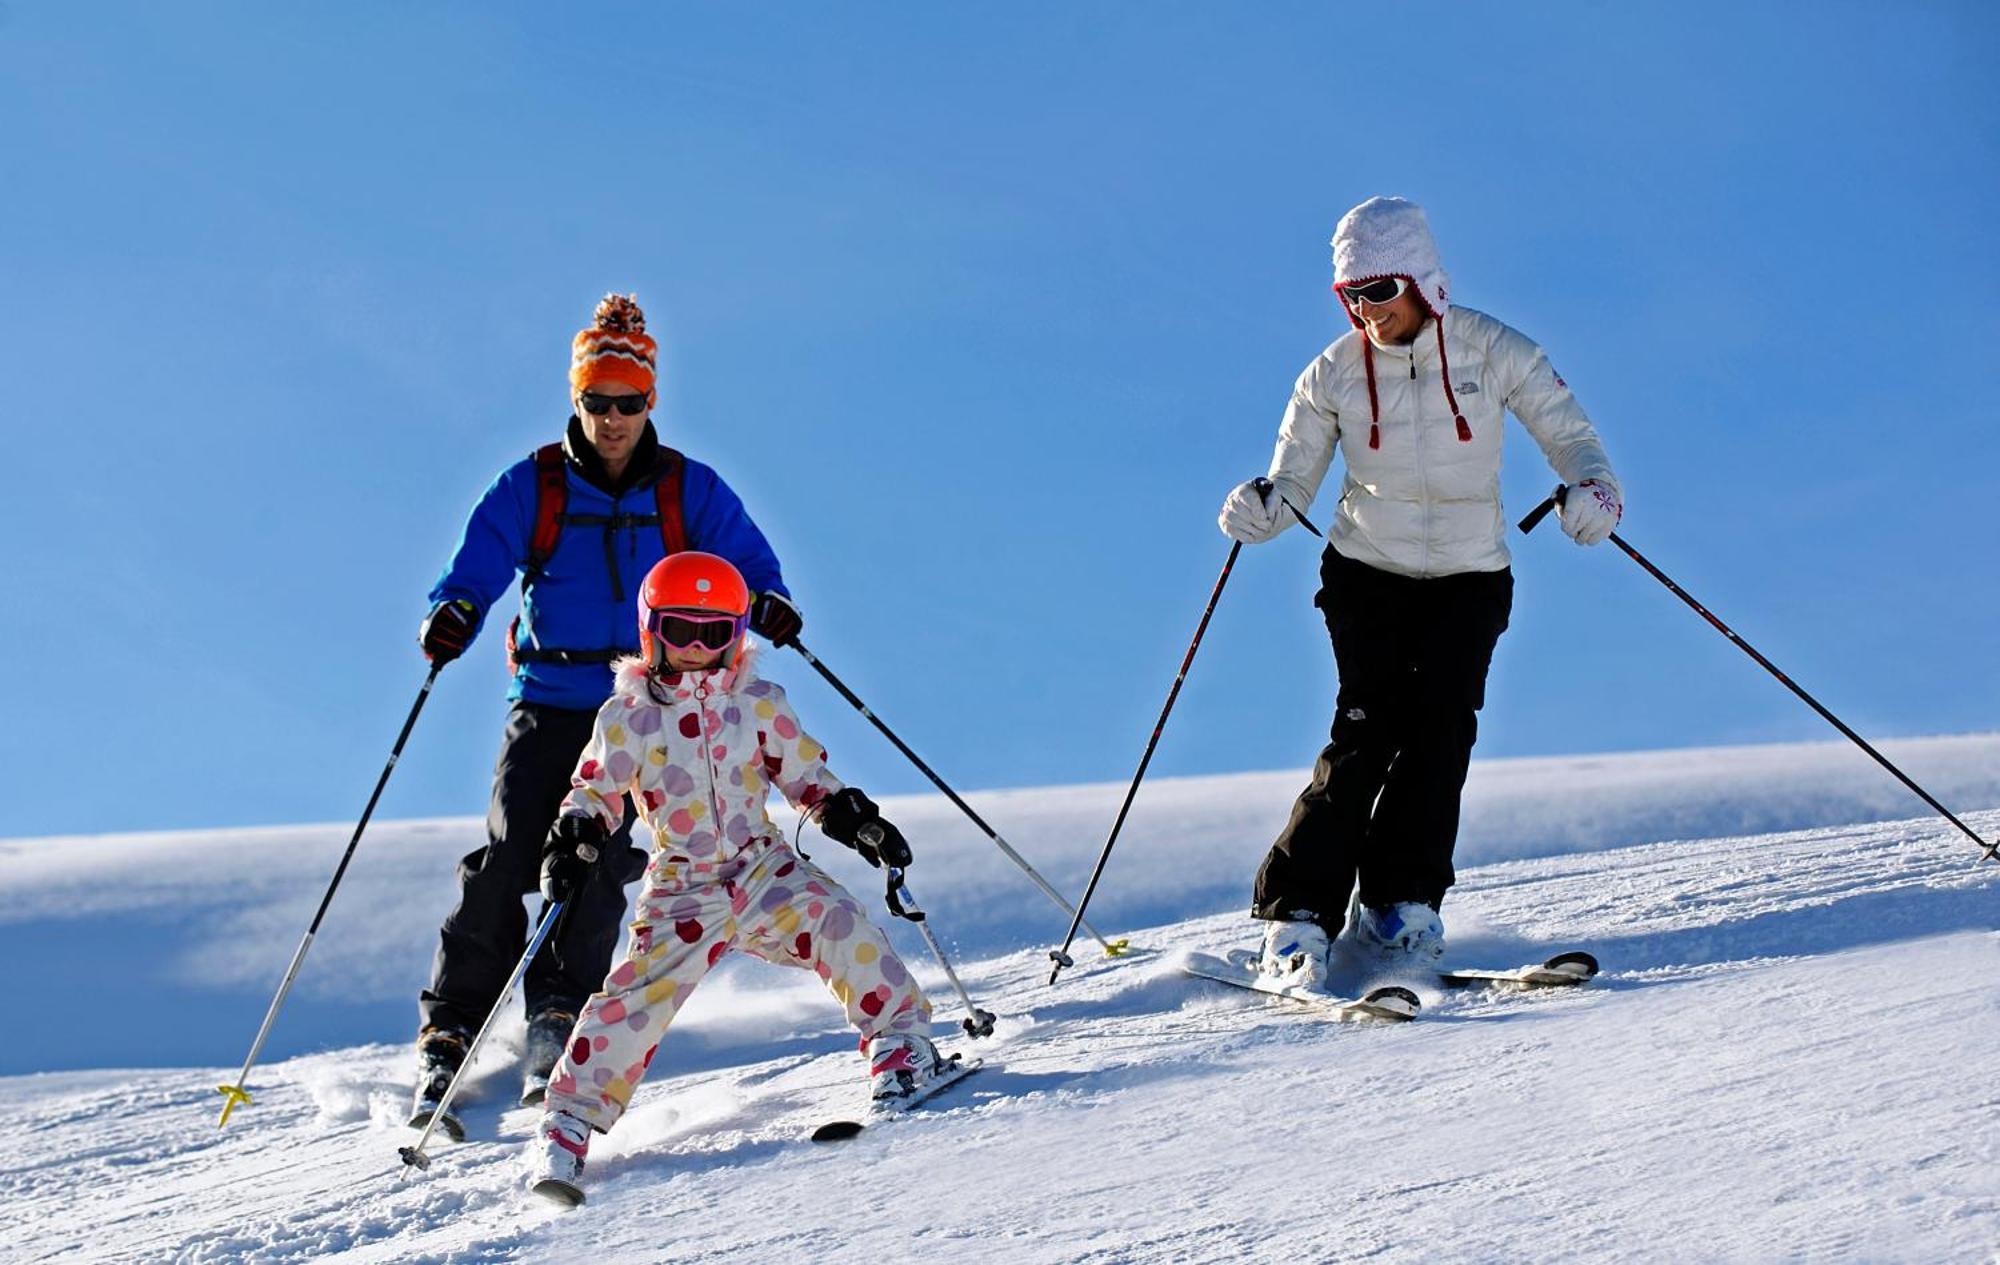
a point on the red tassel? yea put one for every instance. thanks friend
(1374, 404)
(1444, 365)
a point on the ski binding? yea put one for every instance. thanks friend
(888, 1109)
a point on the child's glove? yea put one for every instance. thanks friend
(879, 842)
(568, 854)
(847, 816)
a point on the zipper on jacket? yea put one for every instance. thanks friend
(708, 762)
(611, 549)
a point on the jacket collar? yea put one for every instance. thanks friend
(584, 460)
(630, 677)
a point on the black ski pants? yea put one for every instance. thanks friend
(1384, 798)
(484, 935)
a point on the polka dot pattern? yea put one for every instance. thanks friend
(620, 1028)
(699, 755)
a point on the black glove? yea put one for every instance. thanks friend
(847, 816)
(775, 619)
(571, 849)
(447, 629)
(880, 842)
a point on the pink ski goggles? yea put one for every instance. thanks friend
(684, 630)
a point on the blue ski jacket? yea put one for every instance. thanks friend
(585, 598)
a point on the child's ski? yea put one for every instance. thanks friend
(888, 1109)
(1389, 1004)
(1564, 970)
(558, 1192)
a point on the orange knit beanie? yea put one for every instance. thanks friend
(616, 348)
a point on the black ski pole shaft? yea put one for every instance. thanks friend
(233, 1095)
(1112, 948)
(1542, 511)
(1061, 956)
(413, 1156)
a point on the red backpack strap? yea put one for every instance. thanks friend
(667, 494)
(551, 497)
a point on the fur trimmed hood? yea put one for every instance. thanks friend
(630, 678)
(1390, 237)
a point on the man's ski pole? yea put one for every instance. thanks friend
(1061, 956)
(1112, 948)
(1555, 499)
(413, 1156)
(233, 1095)
(979, 1023)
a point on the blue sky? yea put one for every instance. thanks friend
(982, 311)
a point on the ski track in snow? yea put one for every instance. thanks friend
(1791, 1055)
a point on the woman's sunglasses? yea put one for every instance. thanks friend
(1381, 290)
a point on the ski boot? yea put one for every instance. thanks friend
(1409, 934)
(555, 1158)
(440, 1053)
(902, 1068)
(548, 1037)
(1295, 953)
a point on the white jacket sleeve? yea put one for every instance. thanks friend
(1545, 406)
(1306, 440)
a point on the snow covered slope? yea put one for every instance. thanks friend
(1791, 1054)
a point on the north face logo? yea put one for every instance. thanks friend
(1467, 388)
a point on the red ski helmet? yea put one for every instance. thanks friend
(687, 598)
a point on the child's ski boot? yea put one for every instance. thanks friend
(556, 1158)
(904, 1069)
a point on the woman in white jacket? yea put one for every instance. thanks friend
(1415, 585)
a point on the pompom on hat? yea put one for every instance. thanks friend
(1389, 237)
(616, 348)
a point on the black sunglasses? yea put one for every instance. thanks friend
(1380, 290)
(601, 405)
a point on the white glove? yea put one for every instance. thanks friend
(1252, 515)
(1590, 512)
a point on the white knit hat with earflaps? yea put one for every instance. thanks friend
(1389, 237)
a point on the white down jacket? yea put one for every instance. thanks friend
(1421, 493)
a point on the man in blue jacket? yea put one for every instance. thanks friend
(581, 522)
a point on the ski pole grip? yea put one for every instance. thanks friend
(1540, 512)
(1264, 487)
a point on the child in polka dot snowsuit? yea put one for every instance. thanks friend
(698, 751)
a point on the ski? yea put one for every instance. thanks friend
(1564, 970)
(557, 1192)
(890, 1109)
(1389, 1004)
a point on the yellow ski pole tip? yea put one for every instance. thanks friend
(1117, 948)
(231, 1096)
